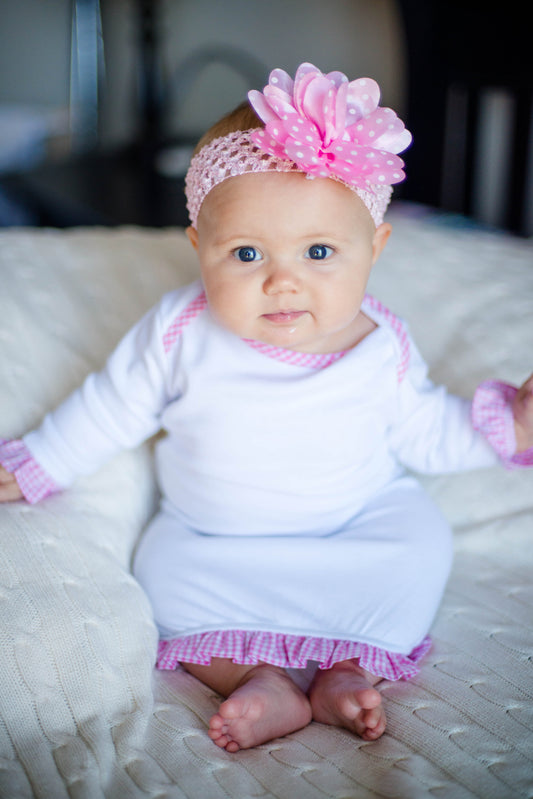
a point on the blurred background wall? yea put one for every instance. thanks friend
(359, 37)
(101, 76)
(356, 36)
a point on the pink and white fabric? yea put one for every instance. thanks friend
(492, 415)
(32, 480)
(287, 651)
(374, 306)
(190, 313)
(309, 359)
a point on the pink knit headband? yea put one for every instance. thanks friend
(318, 124)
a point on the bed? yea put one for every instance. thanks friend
(83, 712)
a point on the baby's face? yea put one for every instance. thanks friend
(285, 260)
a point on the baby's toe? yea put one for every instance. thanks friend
(375, 723)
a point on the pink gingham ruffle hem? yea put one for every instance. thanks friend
(32, 480)
(287, 651)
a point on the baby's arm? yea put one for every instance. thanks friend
(523, 416)
(436, 432)
(114, 409)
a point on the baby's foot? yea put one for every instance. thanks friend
(266, 704)
(344, 697)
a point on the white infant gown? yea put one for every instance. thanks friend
(290, 528)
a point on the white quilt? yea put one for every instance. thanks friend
(83, 714)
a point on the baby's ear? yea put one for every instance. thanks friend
(381, 237)
(192, 235)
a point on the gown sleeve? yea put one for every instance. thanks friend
(114, 409)
(434, 432)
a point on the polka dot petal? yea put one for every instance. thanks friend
(328, 125)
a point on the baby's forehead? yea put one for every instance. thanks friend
(284, 200)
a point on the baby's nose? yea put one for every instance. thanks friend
(281, 278)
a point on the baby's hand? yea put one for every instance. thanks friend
(523, 416)
(9, 489)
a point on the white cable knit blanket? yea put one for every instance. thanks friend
(83, 714)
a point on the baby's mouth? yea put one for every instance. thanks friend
(284, 317)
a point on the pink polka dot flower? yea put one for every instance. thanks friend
(330, 127)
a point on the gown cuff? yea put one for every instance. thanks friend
(32, 480)
(492, 416)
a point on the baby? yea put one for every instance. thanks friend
(290, 531)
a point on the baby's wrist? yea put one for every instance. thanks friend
(524, 437)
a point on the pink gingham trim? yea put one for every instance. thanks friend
(32, 480)
(183, 319)
(398, 329)
(287, 651)
(492, 415)
(312, 360)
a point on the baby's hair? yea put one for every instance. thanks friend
(241, 118)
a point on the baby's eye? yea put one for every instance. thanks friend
(247, 254)
(318, 252)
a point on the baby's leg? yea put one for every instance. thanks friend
(344, 696)
(262, 703)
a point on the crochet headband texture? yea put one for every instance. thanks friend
(321, 125)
